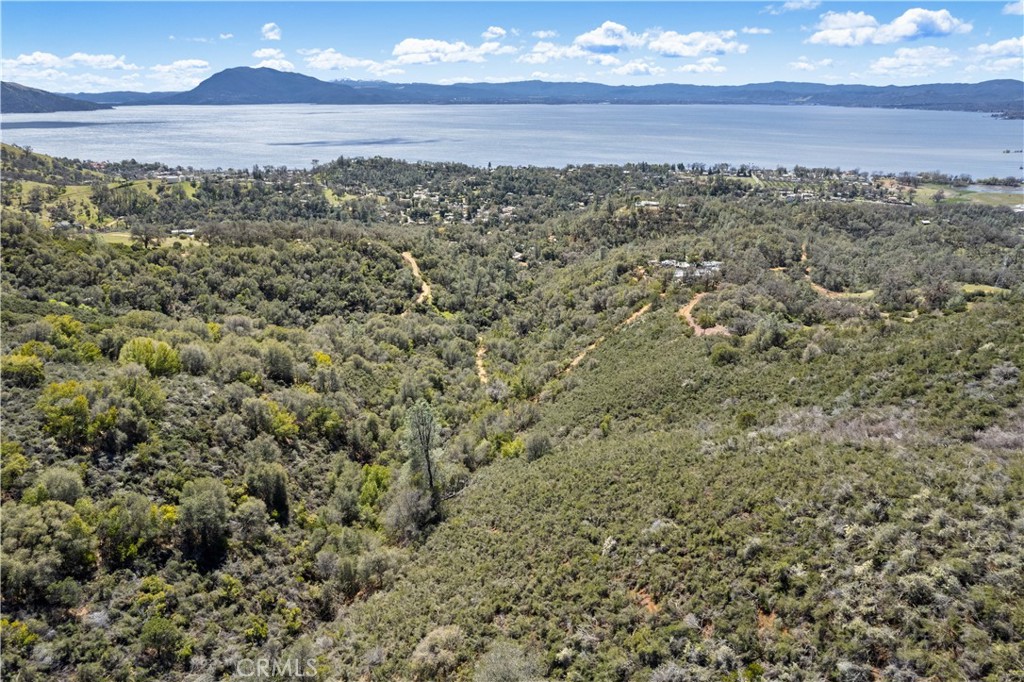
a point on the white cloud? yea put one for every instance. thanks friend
(547, 35)
(1000, 57)
(97, 81)
(48, 60)
(430, 51)
(28, 75)
(705, 65)
(921, 23)
(1010, 46)
(598, 46)
(845, 30)
(44, 59)
(332, 60)
(101, 61)
(182, 65)
(913, 61)
(1014, 7)
(180, 74)
(672, 44)
(268, 53)
(493, 33)
(754, 31)
(271, 31)
(805, 64)
(638, 67)
(543, 52)
(792, 6)
(276, 64)
(227, 36)
(1014, 65)
(607, 38)
(851, 29)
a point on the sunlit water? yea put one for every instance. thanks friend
(539, 135)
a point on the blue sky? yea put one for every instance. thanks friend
(96, 46)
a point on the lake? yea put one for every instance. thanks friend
(541, 135)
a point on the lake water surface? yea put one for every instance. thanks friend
(540, 135)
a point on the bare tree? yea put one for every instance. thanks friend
(421, 440)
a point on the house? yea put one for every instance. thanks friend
(691, 271)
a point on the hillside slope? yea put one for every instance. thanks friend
(424, 421)
(243, 85)
(764, 517)
(19, 99)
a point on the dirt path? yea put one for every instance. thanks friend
(686, 312)
(634, 317)
(820, 290)
(583, 353)
(481, 351)
(625, 323)
(425, 294)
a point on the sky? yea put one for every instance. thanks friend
(148, 46)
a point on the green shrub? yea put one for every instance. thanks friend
(506, 662)
(156, 356)
(537, 445)
(202, 521)
(251, 516)
(160, 640)
(13, 464)
(65, 408)
(439, 653)
(724, 354)
(195, 359)
(42, 544)
(127, 524)
(268, 481)
(278, 362)
(63, 485)
(22, 370)
(257, 630)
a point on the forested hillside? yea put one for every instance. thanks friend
(391, 421)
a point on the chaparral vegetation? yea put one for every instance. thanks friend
(396, 421)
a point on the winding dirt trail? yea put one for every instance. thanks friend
(686, 312)
(425, 294)
(583, 353)
(820, 290)
(634, 317)
(481, 351)
(625, 323)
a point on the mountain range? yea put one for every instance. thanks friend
(19, 99)
(244, 85)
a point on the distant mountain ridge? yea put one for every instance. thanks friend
(120, 97)
(20, 99)
(244, 85)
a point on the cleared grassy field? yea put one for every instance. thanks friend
(954, 194)
(125, 237)
(984, 289)
(114, 237)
